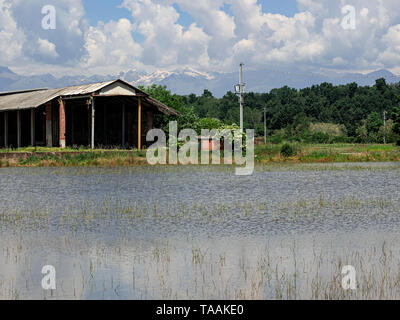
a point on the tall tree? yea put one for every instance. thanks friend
(396, 123)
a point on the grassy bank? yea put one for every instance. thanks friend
(264, 154)
(328, 153)
(73, 158)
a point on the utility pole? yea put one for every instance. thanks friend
(265, 125)
(240, 91)
(384, 126)
(241, 96)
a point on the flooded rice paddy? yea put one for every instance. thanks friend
(201, 232)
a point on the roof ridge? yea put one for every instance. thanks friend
(5, 93)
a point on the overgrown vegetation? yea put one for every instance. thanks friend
(77, 159)
(329, 153)
(320, 114)
(269, 153)
(324, 123)
(288, 150)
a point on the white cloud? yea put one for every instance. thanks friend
(217, 41)
(67, 38)
(391, 56)
(109, 45)
(167, 44)
(11, 37)
(47, 49)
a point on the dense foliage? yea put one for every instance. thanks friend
(323, 113)
(287, 150)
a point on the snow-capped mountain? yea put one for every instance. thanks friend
(189, 80)
(182, 81)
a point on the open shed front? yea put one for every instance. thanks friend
(105, 115)
(115, 120)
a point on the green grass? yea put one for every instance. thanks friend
(52, 150)
(87, 158)
(309, 153)
(269, 153)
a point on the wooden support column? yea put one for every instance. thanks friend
(123, 125)
(33, 138)
(139, 124)
(63, 139)
(19, 128)
(93, 123)
(149, 120)
(89, 122)
(49, 131)
(105, 139)
(6, 129)
(72, 109)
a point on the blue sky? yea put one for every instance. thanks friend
(111, 10)
(104, 11)
(285, 7)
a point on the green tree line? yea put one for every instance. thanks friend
(322, 113)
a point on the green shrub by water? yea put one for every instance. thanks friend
(288, 150)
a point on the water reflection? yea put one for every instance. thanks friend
(200, 232)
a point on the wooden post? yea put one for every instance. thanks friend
(93, 123)
(105, 140)
(140, 124)
(33, 138)
(19, 128)
(149, 120)
(6, 129)
(49, 131)
(123, 126)
(89, 122)
(62, 124)
(72, 109)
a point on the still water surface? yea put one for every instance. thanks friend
(200, 232)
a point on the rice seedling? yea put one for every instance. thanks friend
(118, 234)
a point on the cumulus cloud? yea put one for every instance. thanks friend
(68, 36)
(217, 40)
(12, 37)
(46, 48)
(167, 43)
(111, 44)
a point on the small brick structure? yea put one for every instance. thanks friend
(62, 124)
(209, 144)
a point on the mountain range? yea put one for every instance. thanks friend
(187, 80)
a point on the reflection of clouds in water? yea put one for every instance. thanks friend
(287, 223)
(208, 268)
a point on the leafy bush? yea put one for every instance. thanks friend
(207, 124)
(344, 139)
(396, 124)
(288, 150)
(362, 132)
(320, 137)
(374, 122)
(326, 132)
(276, 139)
(235, 136)
(259, 130)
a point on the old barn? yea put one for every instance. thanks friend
(100, 115)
